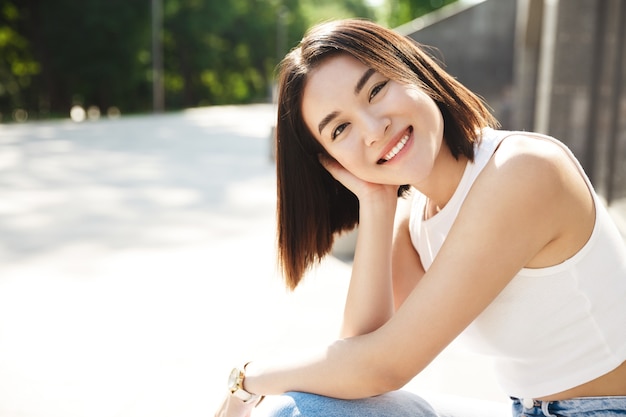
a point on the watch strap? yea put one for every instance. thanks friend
(244, 395)
(237, 390)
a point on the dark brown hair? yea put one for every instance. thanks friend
(312, 205)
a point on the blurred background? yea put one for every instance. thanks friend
(547, 65)
(107, 54)
(137, 186)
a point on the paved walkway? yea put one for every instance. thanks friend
(137, 266)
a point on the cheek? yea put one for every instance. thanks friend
(430, 117)
(344, 157)
(419, 96)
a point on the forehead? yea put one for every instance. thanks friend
(327, 85)
(336, 69)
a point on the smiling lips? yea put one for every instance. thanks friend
(392, 153)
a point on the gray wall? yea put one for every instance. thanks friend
(570, 74)
(553, 66)
(476, 44)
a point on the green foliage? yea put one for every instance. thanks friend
(398, 12)
(54, 54)
(76, 53)
(224, 51)
(18, 65)
(317, 11)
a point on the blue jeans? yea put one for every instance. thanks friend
(406, 404)
(576, 407)
(396, 404)
(392, 404)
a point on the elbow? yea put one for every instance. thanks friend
(387, 379)
(393, 382)
(380, 368)
(372, 387)
(387, 369)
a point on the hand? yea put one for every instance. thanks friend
(234, 407)
(361, 188)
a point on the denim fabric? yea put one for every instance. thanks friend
(393, 404)
(406, 404)
(576, 407)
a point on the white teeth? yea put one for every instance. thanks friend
(397, 148)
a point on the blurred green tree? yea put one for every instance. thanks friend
(398, 12)
(55, 54)
(218, 52)
(18, 66)
(88, 52)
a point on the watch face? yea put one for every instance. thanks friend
(233, 380)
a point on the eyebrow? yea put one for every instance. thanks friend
(326, 120)
(357, 89)
(366, 76)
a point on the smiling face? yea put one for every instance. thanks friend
(381, 130)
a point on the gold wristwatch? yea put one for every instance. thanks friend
(235, 386)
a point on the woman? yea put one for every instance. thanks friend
(498, 236)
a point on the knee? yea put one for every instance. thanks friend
(291, 404)
(394, 404)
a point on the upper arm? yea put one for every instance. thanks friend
(406, 266)
(509, 215)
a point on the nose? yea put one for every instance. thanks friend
(374, 128)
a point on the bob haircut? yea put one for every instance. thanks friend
(312, 206)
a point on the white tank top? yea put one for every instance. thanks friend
(553, 328)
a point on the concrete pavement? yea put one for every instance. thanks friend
(137, 266)
(123, 244)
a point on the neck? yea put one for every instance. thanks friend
(443, 181)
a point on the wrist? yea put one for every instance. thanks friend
(380, 212)
(237, 387)
(250, 383)
(381, 194)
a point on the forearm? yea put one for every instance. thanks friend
(347, 369)
(369, 303)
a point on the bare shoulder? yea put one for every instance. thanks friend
(521, 184)
(540, 186)
(526, 166)
(533, 157)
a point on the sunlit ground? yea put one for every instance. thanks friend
(137, 266)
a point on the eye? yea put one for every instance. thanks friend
(377, 89)
(338, 130)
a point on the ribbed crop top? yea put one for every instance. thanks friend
(552, 328)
